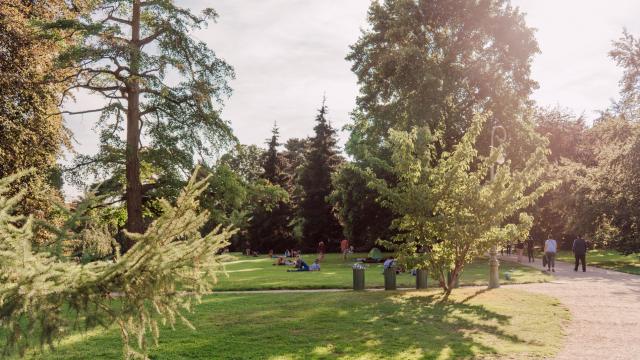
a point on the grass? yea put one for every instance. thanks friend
(607, 259)
(251, 273)
(351, 325)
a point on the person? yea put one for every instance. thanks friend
(509, 248)
(530, 249)
(315, 266)
(550, 248)
(389, 262)
(580, 253)
(344, 248)
(247, 248)
(300, 266)
(286, 253)
(321, 250)
(519, 250)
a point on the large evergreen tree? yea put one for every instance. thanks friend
(270, 226)
(319, 220)
(162, 88)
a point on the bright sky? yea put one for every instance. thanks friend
(288, 53)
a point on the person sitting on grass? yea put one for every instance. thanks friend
(300, 266)
(315, 266)
(282, 261)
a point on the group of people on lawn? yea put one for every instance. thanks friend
(550, 250)
(300, 265)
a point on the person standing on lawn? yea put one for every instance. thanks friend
(580, 253)
(550, 249)
(344, 248)
(530, 249)
(321, 250)
(519, 250)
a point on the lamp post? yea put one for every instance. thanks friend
(494, 264)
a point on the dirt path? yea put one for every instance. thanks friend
(605, 306)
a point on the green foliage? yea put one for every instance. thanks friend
(553, 212)
(319, 220)
(271, 225)
(170, 266)
(434, 64)
(32, 132)
(607, 211)
(163, 92)
(363, 219)
(449, 209)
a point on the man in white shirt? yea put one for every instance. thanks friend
(550, 249)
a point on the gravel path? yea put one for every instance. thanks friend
(605, 309)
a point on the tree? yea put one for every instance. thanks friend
(604, 188)
(450, 210)
(553, 212)
(365, 222)
(32, 134)
(166, 271)
(162, 87)
(434, 63)
(320, 223)
(295, 155)
(270, 226)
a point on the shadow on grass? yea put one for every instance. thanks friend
(380, 325)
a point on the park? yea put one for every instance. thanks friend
(371, 179)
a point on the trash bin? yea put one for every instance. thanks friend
(421, 279)
(358, 278)
(390, 278)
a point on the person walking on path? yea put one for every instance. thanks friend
(519, 250)
(580, 253)
(530, 249)
(550, 248)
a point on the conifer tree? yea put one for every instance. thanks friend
(162, 89)
(319, 221)
(270, 227)
(166, 271)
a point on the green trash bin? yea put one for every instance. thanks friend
(421, 279)
(390, 278)
(358, 278)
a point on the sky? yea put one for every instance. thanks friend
(288, 54)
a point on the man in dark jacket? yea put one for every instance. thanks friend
(580, 252)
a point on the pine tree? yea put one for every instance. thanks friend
(161, 86)
(270, 227)
(320, 223)
(167, 270)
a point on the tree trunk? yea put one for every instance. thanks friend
(134, 186)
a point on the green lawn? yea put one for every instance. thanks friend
(351, 325)
(251, 273)
(607, 259)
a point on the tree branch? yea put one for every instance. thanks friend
(123, 21)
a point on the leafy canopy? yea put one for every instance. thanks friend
(449, 209)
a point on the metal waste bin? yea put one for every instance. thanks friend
(358, 279)
(390, 278)
(421, 279)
